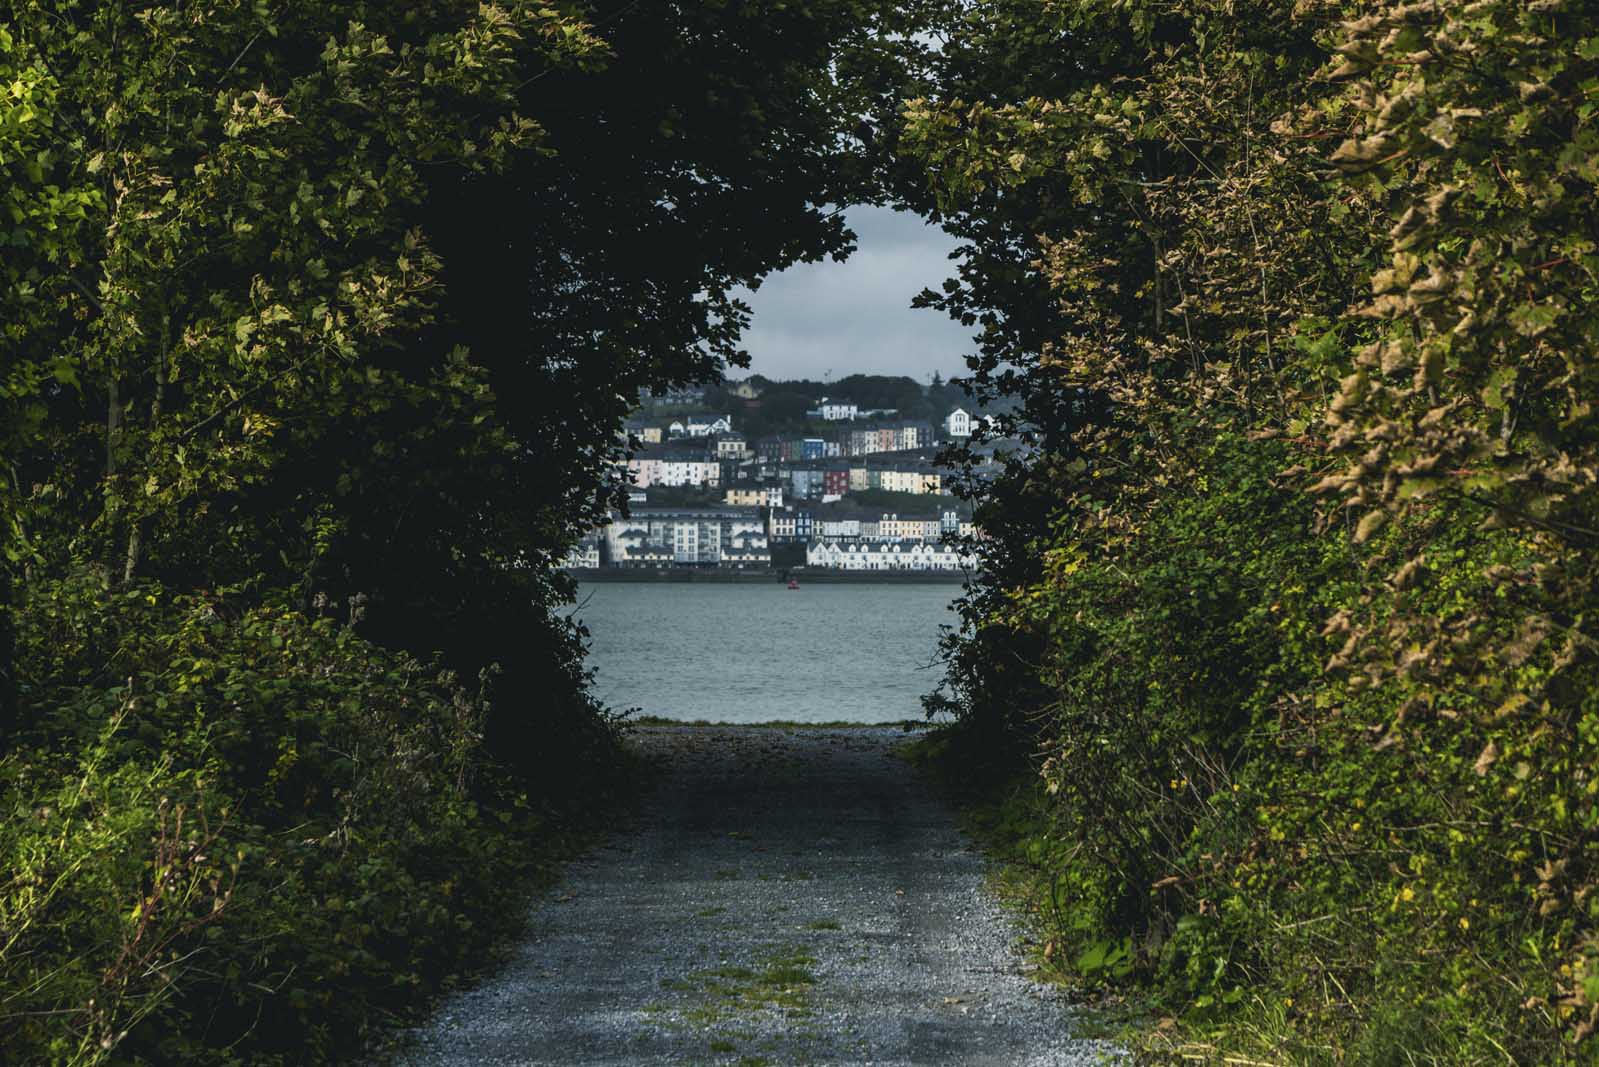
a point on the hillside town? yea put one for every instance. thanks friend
(743, 477)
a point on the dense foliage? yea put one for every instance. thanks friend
(320, 321)
(1296, 602)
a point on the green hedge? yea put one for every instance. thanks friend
(1255, 842)
(1294, 600)
(251, 837)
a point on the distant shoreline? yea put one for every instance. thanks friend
(767, 577)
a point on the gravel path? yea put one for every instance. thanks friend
(787, 897)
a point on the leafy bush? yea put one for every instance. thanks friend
(1230, 823)
(1294, 598)
(269, 837)
(336, 309)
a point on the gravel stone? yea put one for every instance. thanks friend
(788, 896)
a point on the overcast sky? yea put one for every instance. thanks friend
(855, 317)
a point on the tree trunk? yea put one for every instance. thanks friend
(1160, 297)
(136, 534)
(9, 712)
(113, 422)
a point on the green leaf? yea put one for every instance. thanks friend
(1493, 393)
(1530, 320)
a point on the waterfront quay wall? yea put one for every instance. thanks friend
(754, 576)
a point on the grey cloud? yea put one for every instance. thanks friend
(855, 317)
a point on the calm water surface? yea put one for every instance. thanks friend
(753, 653)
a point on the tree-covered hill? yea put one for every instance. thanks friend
(782, 404)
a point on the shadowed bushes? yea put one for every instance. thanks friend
(320, 324)
(274, 836)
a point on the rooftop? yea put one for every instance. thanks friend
(708, 511)
(880, 546)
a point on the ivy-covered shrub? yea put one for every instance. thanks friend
(1225, 820)
(1292, 594)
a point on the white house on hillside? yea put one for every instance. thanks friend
(732, 446)
(705, 426)
(834, 411)
(958, 423)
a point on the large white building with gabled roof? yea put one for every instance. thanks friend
(703, 536)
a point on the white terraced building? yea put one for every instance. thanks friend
(707, 426)
(887, 556)
(835, 411)
(647, 471)
(728, 536)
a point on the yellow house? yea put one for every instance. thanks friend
(909, 481)
(894, 528)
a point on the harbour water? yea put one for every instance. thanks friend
(756, 653)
